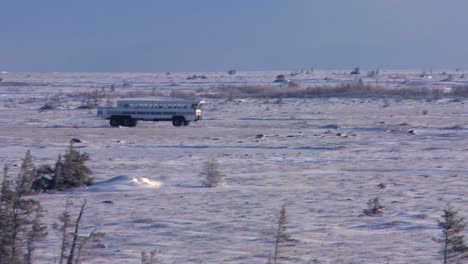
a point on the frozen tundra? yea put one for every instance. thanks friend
(128, 112)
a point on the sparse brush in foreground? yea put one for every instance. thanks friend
(454, 249)
(374, 207)
(213, 176)
(149, 258)
(281, 236)
(52, 103)
(20, 221)
(65, 219)
(27, 174)
(72, 241)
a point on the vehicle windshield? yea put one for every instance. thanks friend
(198, 106)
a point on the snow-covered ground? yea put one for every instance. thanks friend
(323, 159)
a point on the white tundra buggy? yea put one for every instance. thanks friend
(128, 112)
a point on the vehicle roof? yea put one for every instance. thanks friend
(158, 101)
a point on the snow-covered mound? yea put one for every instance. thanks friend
(123, 183)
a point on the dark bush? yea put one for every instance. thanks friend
(68, 172)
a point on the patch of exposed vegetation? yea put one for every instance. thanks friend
(454, 249)
(374, 207)
(356, 89)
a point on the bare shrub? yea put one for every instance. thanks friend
(374, 207)
(195, 76)
(213, 176)
(250, 91)
(448, 79)
(280, 78)
(47, 106)
(372, 73)
(28, 100)
(71, 240)
(386, 104)
(93, 99)
(52, 103)
(150, 258)
(460, 91)
(352, 89)
(281, 237)
(182, 94)
(74, 242)
(293, 84)
(356, 71)
(12, 83)
(133, 94)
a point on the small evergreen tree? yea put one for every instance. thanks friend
(27, 175)
(36, 233)
(68, 172)
(281, 236)
(73, 172)
(213, 177)
(20, 222)
(454, 249)
(65, 219)
(58, 175)
(7, 196)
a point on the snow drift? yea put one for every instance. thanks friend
(124, 183)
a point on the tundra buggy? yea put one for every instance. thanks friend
(129, 112)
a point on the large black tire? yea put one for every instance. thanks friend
(114, 121)
(178, 121)
(134, 123)
(126, 121)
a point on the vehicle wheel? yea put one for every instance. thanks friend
(133, 123)
(127, 121)
(186, 123)
(177, 122)
(114, 122)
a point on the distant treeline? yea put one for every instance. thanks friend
(355, 89)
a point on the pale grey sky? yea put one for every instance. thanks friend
(216, 35)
